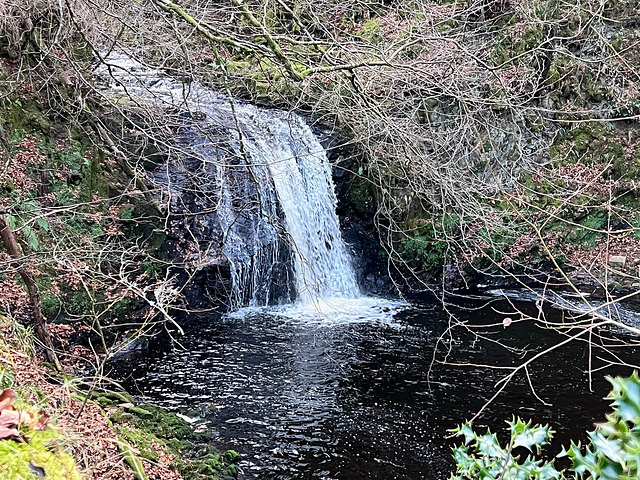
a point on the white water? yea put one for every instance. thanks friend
(302, 177)
(288, 201)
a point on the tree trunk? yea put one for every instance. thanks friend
(40, 327)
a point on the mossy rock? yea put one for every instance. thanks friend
(155, 420)
(214, 466)
(131, 458)
(22, 113)
(196, 458)
(42, 456)
(142, 440)
(109, 399)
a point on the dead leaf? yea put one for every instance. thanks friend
(39, 422)
(8, 432)
(11, 419)
(7, 397)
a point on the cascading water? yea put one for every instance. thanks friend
(301, 174)
(258, 185)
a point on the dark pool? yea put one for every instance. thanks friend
(370, 399)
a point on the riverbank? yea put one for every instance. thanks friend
(94, 436)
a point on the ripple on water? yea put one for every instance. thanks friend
(353, 392)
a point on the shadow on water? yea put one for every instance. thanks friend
(365, 400)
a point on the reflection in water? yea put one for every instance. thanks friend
(341, 400)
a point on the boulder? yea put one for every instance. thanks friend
(617, 261)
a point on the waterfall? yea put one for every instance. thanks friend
(301, 174)
(258, 189)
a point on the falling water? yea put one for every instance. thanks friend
(259, 183)
(301, 174)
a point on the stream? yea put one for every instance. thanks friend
(366, 394)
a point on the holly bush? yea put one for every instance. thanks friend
(613, 452)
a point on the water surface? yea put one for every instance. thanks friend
(370, 398)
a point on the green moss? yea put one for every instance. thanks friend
(446, 25)
(19, 113)
(582, 138)
(43, 450)
(109, 399)
(156, 421)
(595, 92)
(588, 235)
(370, 30)
(142, 439)
(196, 458)
(130, 457)
(51, 305)
(361, 195)
(212, 466)
(427, 244)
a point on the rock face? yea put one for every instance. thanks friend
(227, 218)
(249, 193)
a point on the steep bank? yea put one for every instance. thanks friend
(92, 435)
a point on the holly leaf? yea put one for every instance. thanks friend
(626, 397)
(530, 437)
(582, 464)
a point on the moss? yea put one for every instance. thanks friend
(554, 74)
(595, 92)
(582, 138)
(43, 453)
(109, 399)
(51, 305)
(370, 30)
(24, 113)
(427, 244)
(447, 25)
(589, 234)
(196, 458)
(212, 466)
(130, 457)
(361, 195)
(156, 421)
(142, 439)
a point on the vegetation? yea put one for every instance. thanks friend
(145, 427)
(28, 448)
(54, 428)
(37, 458)
(491, 137)
(610, 455)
